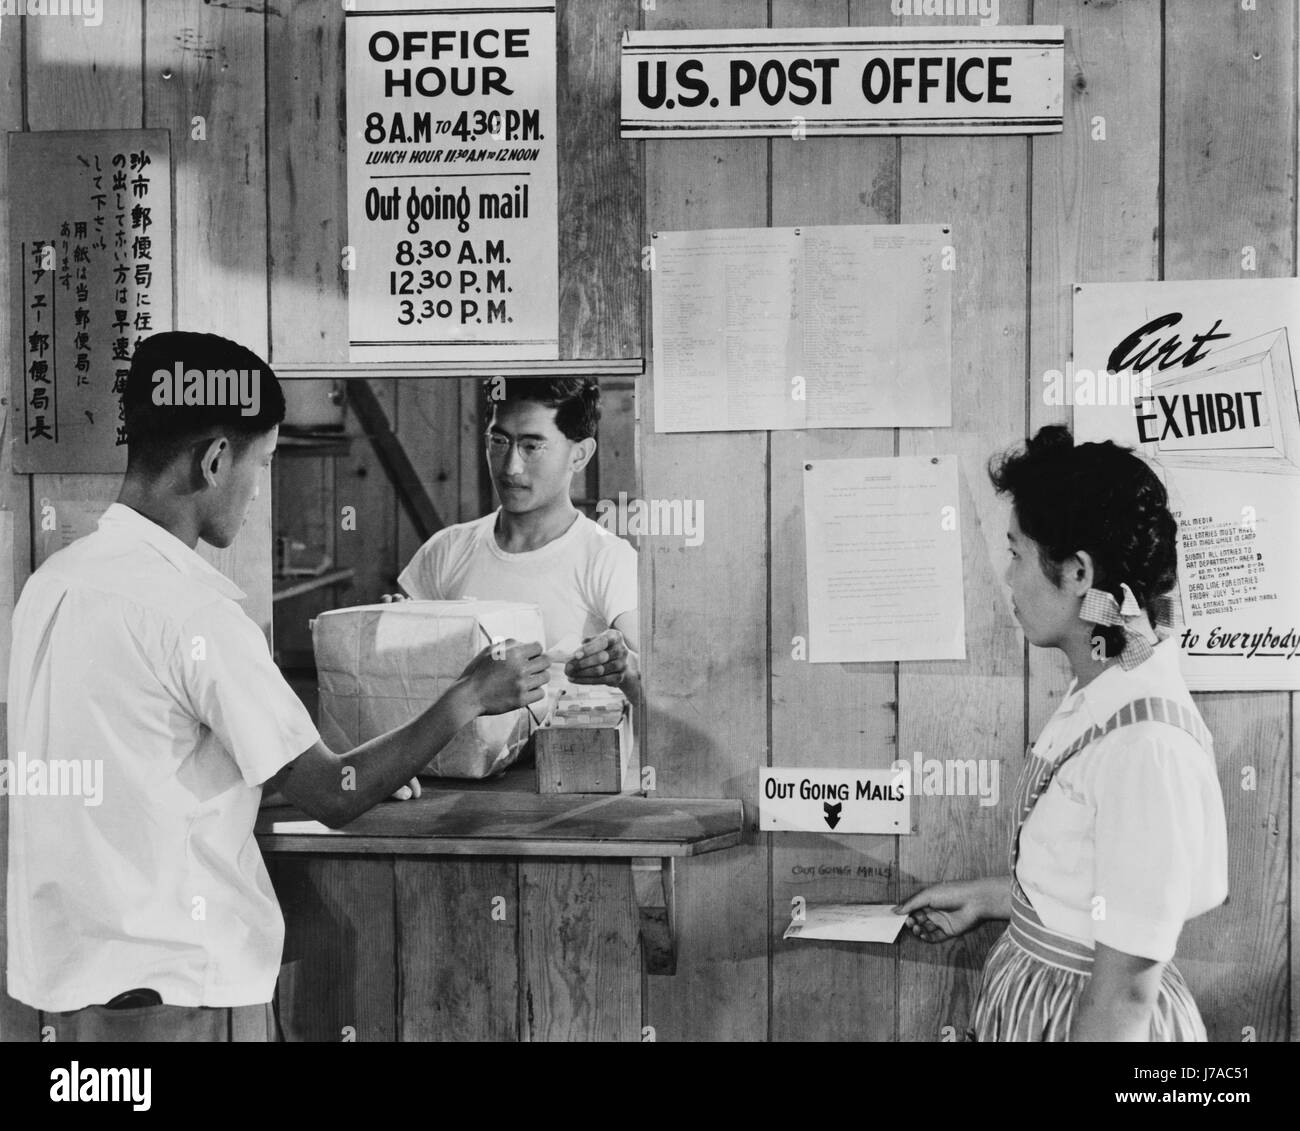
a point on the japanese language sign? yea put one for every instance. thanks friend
(91, 248)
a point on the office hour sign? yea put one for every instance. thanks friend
(792, 799)
(452, 183)
(793, 82)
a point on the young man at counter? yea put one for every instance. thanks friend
(145, 910)
(537, 546)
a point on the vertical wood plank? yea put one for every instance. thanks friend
(616, 445)
(1293, 1033)
(579, 951)
(972, 708)
(428, 424)
(475, 493)
(599, 187)
(81, 77)
(339, 949)
(304, 511)
(1096, 213)
(458, 964)
(370, 549)
(1235, 957)
(18, 1022)
(205, 60)
(820, 990)
(1230, 182)
(306, 200)
(704, 613)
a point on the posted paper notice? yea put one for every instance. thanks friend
(812, 327)
(883, 539)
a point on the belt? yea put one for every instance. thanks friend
(134, 999)
(1041, 942)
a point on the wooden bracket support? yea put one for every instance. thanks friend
(653, 880)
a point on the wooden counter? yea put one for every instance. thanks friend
(484, 912)
(487, 823)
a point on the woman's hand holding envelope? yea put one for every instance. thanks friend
(944, 911)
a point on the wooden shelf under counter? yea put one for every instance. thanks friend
(481, 911)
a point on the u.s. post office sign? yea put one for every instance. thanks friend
(841, 801)
(794, 82)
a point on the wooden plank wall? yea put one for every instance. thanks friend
(1230, 184)
(1184, 179)
(260, 209)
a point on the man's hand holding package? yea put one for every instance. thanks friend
(605, 658)
(337, 788)
(507, 675)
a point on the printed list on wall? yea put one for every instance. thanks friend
(841, 326)
(452, 193)
(91, 249)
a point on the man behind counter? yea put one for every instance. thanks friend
(143, 916)
(537, 546)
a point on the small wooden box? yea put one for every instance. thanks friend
(582, 758)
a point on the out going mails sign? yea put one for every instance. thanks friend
(844, 801)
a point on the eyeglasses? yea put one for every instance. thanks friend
(499, 447)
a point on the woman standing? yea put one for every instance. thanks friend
(1119, 834)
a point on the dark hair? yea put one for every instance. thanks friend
(576, 400)
(1095, 497)
(157, 433)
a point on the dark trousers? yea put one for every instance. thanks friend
(149, 1023)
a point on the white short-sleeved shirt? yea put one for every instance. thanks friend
(1136, 819)
(130, 654)
(581, 581)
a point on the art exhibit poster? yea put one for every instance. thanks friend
(1202, 383)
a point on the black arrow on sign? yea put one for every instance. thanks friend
(832, 812)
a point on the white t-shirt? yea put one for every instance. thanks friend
(131, 657)
(1136, 819)
(581, 581)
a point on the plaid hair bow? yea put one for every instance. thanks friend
(1101, 608)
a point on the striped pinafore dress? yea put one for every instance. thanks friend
(1034, 976)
